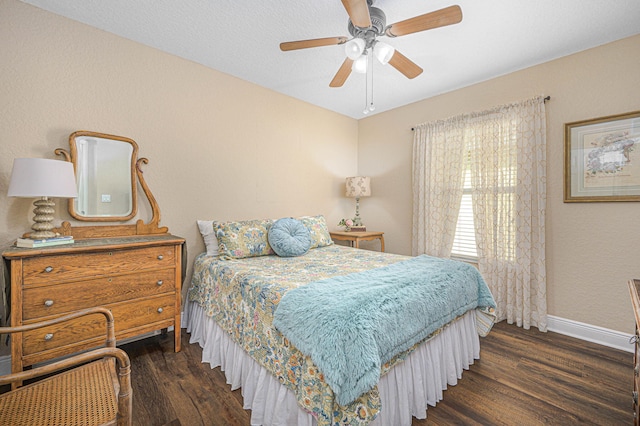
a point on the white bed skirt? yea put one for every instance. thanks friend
(405, 391)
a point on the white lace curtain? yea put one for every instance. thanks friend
(505, 151)
(438, 177)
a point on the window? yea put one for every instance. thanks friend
(464, 241)
(506, 149)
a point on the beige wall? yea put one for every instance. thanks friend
(218, 147)
(223, 148)
(592, 249)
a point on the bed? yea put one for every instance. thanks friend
(247, 306)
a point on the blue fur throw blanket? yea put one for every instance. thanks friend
(351, 325)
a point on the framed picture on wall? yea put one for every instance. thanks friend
(602, 159)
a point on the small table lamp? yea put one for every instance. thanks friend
(42, 178)
(358, 186)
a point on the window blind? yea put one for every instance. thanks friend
(464, 241)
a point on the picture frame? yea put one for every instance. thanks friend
(602, 159)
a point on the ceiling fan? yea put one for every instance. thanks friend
(366, 24)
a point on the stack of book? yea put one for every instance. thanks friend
(55, 241)
(361, 228)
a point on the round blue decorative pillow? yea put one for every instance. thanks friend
(289, 237)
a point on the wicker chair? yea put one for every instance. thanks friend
(93, 392)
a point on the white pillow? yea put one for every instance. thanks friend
(209, 237)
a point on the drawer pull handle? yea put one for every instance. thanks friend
(160, 257)
(160, 282)
(48, 269)
(48, 302)
(48, 336)
(160, 310)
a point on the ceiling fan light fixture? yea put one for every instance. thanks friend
(360, 65)
(383, 52)
(354, 48)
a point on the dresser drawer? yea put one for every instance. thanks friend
(127, 315)
(62, 298)
(69, 267)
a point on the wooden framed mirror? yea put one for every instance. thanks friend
(105, 173)
(108, 171)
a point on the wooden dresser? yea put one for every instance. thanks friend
(634, 289)
(138, 278)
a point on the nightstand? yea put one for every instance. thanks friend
(354, 238)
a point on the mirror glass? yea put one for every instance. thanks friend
(105, 167)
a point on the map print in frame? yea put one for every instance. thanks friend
(602, 159)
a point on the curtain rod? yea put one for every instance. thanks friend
(547, 98)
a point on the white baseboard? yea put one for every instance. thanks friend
(591, 333)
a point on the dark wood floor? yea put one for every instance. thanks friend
(523, 378)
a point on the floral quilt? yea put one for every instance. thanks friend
(242, 296)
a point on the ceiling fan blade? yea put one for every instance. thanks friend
(440, 18)
(358, 11)
(405, 65)
(316, 42)
(342, 74)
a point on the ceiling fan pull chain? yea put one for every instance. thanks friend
(371, 106)
(366, 89)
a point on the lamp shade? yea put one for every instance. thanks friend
(354, 48)
(384, 52)
(360, 64)
(358, 186)
(40, 177)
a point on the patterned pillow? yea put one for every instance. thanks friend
(289, 237)
(247, 238)
(318, 229)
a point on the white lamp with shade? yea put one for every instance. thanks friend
(356, 187)
(42, 178)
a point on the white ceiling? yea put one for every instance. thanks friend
(242, 38)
